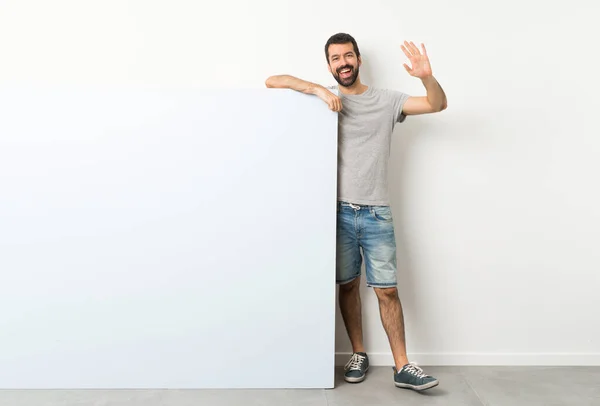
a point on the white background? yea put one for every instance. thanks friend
(496, 199)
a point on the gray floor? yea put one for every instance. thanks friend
(465, 386)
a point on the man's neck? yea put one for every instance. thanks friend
(356, 88)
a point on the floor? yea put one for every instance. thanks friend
(464, 386)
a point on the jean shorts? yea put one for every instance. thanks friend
(365, 231)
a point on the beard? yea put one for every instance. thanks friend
(349, 81)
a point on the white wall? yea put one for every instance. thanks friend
(496, 199)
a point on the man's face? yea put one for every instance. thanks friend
(343, 63)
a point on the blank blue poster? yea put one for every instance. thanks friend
(166, 238)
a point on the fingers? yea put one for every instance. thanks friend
(410, 49)
(335, 104)
(405, 50)
(414, 48)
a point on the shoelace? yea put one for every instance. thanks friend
(415, 370)
(355, 362)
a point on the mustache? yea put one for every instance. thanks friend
(345, 67)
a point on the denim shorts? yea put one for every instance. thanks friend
(365, 231)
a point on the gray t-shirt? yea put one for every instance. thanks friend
(365, 127)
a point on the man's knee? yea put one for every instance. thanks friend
(354, 284)
(387, 294)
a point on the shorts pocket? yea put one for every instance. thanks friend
(383, 214)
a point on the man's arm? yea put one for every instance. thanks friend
(435, 100)
(291, 82)
(299, 85)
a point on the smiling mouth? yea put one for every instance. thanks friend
(345, 73)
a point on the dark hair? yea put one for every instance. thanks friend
(341, 38)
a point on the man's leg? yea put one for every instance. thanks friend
(349, 262)
(351, 309)
(406, 375)
(379, 245)
(350, 306)
(392, 318)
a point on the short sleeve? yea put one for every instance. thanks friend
(333, 89)
(398, 100)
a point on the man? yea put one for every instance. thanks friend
(367, 117)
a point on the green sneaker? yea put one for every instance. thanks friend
(413, 377)
(356, 369)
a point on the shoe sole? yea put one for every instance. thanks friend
(356, 380)
(417, 388)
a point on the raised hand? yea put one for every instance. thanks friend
(421, 68)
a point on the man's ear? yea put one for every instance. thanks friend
(359, 60)
(329, 68)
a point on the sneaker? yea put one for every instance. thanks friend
(413, 377)
(356, 369)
